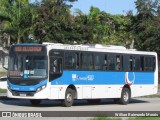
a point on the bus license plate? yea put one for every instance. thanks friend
(23, 95)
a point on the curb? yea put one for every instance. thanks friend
(3, 94)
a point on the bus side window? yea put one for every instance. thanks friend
(111, 62)
(87, 61)
(137, 63)
(149, 63)
(77, 61)
(132, 63)
(84, 63)
(56, 65)
(127, 63)
(118, 63)
(98, 61)
(142, 63)
(154, 63)
(71, 61)
(105, 67)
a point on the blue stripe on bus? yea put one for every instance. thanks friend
(101, 78)
(92, 78)
(26, 88)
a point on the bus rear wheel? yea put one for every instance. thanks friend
(69, 98)
(35, 102)
(125, 96)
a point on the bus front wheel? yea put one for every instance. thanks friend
(69, 98)
(125, 96)
(35, 102)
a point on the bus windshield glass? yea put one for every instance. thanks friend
(28, 65)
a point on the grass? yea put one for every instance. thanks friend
(105, 118)
(144, 118)
(3, 90)
(152, 96)
(133, 118)
(3, 73)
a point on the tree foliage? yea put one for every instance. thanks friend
(146, 25)
(15, 16)
(51, 21)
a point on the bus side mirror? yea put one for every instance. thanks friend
(5, 62)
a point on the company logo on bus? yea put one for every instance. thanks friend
(130, 78)
(75, 77)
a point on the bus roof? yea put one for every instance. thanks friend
(96, 48)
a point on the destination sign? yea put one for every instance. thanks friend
(14, 73)
(28, 49)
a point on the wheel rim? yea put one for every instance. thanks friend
(69, 97)
(126, 96)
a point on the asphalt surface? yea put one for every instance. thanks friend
(79, 109)
(140, 104)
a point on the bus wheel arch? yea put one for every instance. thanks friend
(129, 88)
(125, 95)
(70, 95)
(74, 89)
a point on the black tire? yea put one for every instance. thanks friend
(125, 96)
(69, 98)
(94, 101)
(35, 102)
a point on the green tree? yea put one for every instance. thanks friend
(118, 34)
(109, 29)
(82, 28)
(18, 18)
(146, 26)
(54, 22)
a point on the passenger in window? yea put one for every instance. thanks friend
(90, 67)
(55, 66)
(118, 66)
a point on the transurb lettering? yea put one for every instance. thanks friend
(76, 48)
(75, 77)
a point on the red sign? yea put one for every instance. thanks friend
(28, 49)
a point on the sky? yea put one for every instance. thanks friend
(109, 6)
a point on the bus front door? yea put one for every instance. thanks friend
(55, 67)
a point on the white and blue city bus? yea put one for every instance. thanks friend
(92, 72)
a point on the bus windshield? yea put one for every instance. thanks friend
(27, 65)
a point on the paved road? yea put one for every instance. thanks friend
(138, 104)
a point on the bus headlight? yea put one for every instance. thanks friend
(9, 88)
(41, 88)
